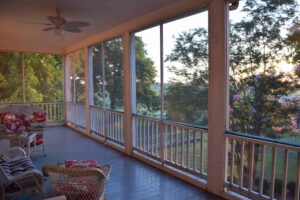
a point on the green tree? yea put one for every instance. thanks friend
(11, 90)
(42, 77)
(147, 100)
(257, 45)
(112, 58)
(186, 96)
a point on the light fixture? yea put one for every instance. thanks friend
(58, 31)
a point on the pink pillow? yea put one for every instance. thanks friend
(82, 164)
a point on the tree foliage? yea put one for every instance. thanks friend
(147, 100)
(42, 77)
(108, 89)
(186, 96)
(262, 98)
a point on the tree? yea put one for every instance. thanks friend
(257, 45)
(113, 78)
(147, 100)
(256, 49)
(11, 90)
(42, 77)
(186, 96)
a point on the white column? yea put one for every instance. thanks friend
(217, 100)
(133, 86)
(86, 89)
(90, 77)
(65, 77)
(23, 78)
(127, 93)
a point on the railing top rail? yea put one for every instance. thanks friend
(30, 103)
(183, 125)
(147, 118)
(171, 123)
(106, 110)
(263, 141)
(76, 104)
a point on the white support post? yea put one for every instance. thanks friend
(23, 78)
(217, 101)
(133, 87)
(86, 89)
(127, 93)
(161, 135)
(65, 86)
(90, 77)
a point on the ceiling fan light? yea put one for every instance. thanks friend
(58, 31)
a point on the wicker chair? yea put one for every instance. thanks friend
(18, 175)
(12, 154)
(78, 183)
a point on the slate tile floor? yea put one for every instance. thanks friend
(130, 179)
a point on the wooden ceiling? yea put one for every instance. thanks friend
(16, 34)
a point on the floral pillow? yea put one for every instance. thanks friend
(39, 117)
(25, 120)
(13, 124)
(82, 164)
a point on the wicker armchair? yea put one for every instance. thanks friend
(12, 154)
(78, 183)
(18, 175)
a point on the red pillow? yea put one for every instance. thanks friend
(82, 164)
(37, 142)
(25, 120)
(39, 117)
(13, 124)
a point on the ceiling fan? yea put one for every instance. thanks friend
(59, 24)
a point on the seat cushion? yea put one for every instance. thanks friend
(38, 142)
(17, 167)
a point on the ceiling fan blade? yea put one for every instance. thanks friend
(77, 24)
(56, 20)
(48, 29)
(71, 29)
(47, 24)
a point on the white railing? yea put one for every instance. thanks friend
(177, 145)
(262, 168)
(76, 115)
(186, 147)
(107, 124)
(147, 136)
(54, 110)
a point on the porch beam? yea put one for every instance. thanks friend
(127, 92)
(218, 90)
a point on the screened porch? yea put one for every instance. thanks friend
(186, 99)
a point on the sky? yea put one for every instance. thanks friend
(151, 38)
(171, 30)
